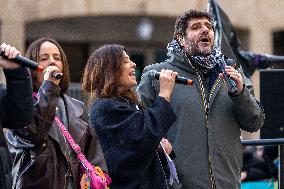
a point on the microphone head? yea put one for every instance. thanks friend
(57, 76)
(152, 73)
(230, 62)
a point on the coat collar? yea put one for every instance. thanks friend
(179, 59)
(74, 110)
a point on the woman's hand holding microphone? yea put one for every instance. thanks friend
(53, 74)
(167, 83)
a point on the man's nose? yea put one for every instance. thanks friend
(205, 29)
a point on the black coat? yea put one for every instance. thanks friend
(129, 137)
(16, 107)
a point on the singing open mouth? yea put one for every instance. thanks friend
(132, 73)
(205, 39)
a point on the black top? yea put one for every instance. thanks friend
(129, 137)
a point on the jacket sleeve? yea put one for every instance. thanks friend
(18, 104)
(248, 109)
(34, 134)
(142, 130)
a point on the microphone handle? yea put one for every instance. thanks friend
(179, 80)
(24, 62)
(231, 83)
(183, 80)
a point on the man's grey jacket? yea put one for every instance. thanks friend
(206, 136)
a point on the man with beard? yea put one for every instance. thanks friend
(206, 135)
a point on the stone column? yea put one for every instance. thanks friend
(12, 27)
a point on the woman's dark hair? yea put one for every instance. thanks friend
(182, 21)
(33, 54)
(102, 74)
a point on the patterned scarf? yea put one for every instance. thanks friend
(204, 62)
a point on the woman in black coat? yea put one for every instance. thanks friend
(129, 135)
(16, 106)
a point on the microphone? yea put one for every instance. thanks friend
(24, 62)
(57, 75)
(180, 80)
(220, 67)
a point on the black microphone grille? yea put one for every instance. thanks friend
(57, 76)
(152, 73)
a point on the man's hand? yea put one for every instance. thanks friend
(236, 76)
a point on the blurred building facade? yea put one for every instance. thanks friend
(143, 26)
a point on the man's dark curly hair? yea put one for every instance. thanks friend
(181, 21)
